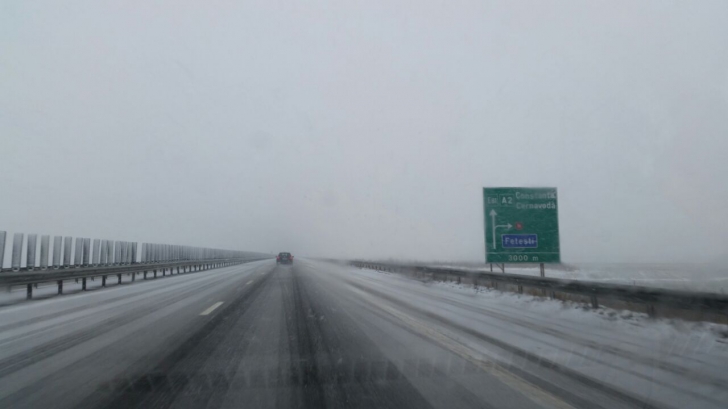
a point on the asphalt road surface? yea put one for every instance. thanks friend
(259, 335)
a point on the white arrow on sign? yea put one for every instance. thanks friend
(492, 218)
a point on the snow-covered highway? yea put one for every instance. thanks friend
(317, 334)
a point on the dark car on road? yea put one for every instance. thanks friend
(284, 258)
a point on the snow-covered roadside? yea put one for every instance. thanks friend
(578, 311)
(693, 277)
(681, 364)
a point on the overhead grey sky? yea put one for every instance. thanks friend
(366, 129)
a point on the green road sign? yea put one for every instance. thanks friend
(521, 225)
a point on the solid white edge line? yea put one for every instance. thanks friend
(212, 308)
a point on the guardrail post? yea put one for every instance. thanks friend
(83, 284)
(119, 277)
(155, 273)
(543, 271)
(45, 243)
(103, 281)
(29, 292)
(30, 259)
(60, 287)
(17, 251)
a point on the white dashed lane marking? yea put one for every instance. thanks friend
(212, 308)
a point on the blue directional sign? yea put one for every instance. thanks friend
(519, 241)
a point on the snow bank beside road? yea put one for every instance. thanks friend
(577, 312)
(677, 363)
(692, 277)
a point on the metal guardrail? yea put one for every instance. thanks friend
(683, 300)
(103, 258)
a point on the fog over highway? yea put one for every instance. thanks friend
(366, 129)
(489, 204)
